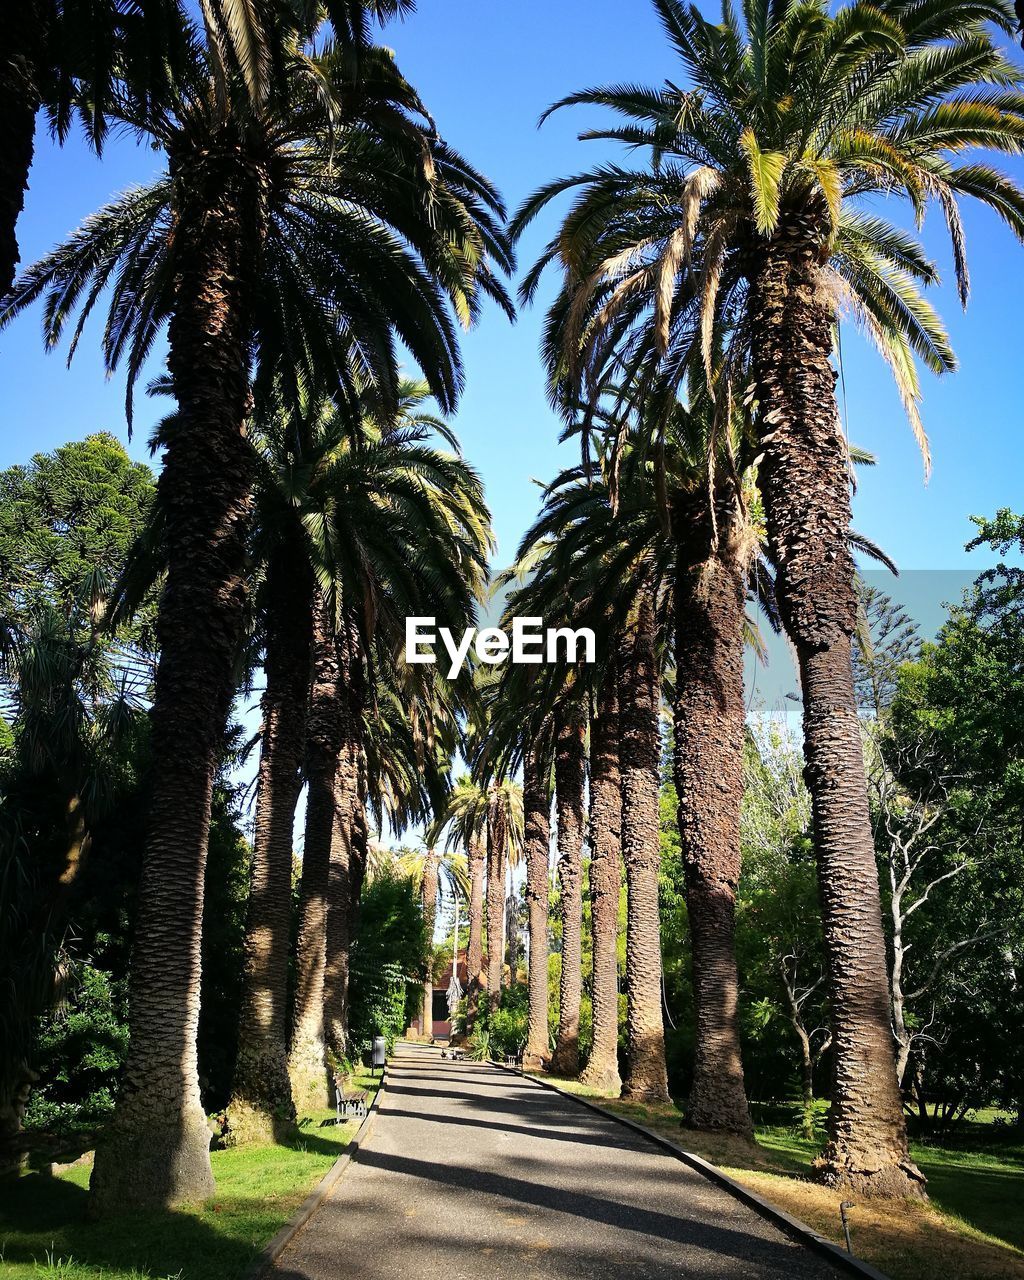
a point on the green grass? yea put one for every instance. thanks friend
(44, 1231)
(983, 1188)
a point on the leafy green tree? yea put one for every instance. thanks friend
(389, 954)
(956, 749)
(73, 706)
(781, 944)
(67, 522)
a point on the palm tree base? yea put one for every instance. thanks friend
(718, 1109)
(150, 1159)
(261, 1107)
(565, 1061)
(876, 1174)
(604, 1077)
(307, 1071)
(249, 1123)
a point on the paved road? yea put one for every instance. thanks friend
(471, 1173)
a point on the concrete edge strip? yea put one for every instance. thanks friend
(792, 1227)
(277, 1244)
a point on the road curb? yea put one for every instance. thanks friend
(273, 1249)
(792, 1227)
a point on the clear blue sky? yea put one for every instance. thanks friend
(487, 70)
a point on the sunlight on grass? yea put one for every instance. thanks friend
(44, 1231)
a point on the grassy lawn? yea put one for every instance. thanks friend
(973, 1228)
(44, 1231)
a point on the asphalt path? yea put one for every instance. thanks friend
(473, 1173)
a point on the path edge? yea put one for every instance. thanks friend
(792, 1227)
(277, 1244)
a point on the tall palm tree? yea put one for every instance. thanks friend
(504, 847)
(640, 773)
(261, 1087)
(463, 821)
(432, 872)
(714, 552)
(394, 526)
(602, 1069)
(751, 220)
(570, 771)
(592, 564)
(237, 247)
(537, 851)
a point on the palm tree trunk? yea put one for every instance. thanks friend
(360, 824)
(602, 1070)
(307, 1058)
(511, 968)
(569, 770)
(475, 948)
(496, 859)
(156, 1151)
(639, 760)
(428, 889)
(806, 486)
(537, 840)
(261, 1098)
(343, 858)
(708, 716)
(19, 103)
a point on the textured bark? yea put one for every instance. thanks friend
(475, 949)
(307, 1058)
(156, 1150)
(805, 483)
(537, 844)
(639, 758)
(511, 966)
(347, 816)
(428, 896)
(708, 715)
(19, 103)
(569, 772)
(602, 1070)
(360, 821)
(261, 1102)
(497, 857)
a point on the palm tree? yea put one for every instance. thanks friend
(504, 846)
(593, 565)
(261, 1088)
(238, 247)
(602, 1069)
(464, 818)
(432, 872)
(639, 765)
(570, 770)
(750, 220)
(537, 849)
(714, 551)
(393, 526)
(75, 57)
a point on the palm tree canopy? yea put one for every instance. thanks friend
(792, 121)
(374, 227)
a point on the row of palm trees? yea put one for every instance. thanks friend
(310, 220)
(732, 255)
